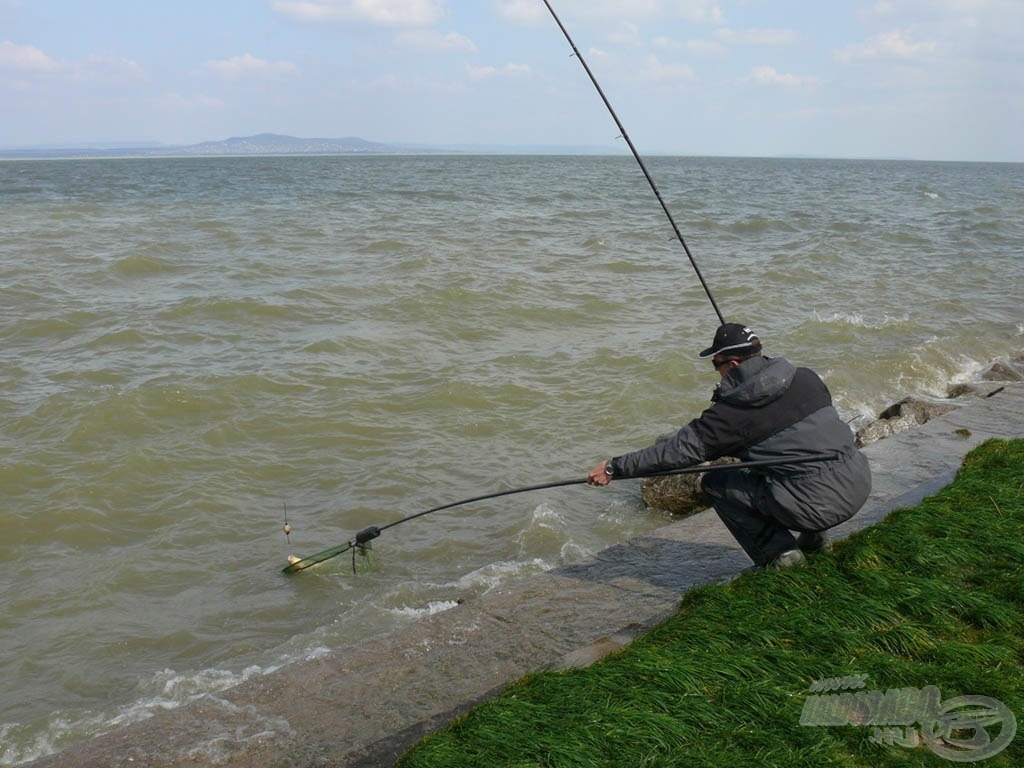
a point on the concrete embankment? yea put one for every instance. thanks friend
(363, 706)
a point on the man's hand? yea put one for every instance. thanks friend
(598, 476)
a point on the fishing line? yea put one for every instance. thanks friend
(639, 160)
(361, 540)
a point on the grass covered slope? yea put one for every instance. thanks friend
(932, 596)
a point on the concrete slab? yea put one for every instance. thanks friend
(364, 706)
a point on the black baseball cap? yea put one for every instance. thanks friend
(731, 338)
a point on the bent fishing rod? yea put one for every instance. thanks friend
(639, 160)
(361, 539)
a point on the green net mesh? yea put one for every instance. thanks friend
(361, 557)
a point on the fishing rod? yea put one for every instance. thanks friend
(639, 160)
(361, 539)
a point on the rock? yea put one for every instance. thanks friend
(905, 414)
(961, 390)
(980, 389)
(876, 430)
(677, 494)
(919, 410)
(1000, 371)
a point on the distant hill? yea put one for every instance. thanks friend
(260, 144)
(276, 144)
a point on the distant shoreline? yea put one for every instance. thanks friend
(42, 156)
(275, 145)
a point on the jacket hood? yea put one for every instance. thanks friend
(756, 382)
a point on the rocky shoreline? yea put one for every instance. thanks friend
(681, 495)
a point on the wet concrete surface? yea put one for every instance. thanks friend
(365, 705)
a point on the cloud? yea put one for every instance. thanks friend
(520, 11)
(631, 11)
(880, 8)
(406, 13)
(431, 40)
(701, 48)
(887, 45)
(25, 58)
(109, 68)
(702, 12)
(626, 34)
(666, 43)
(726, 36)
(28, 61)
(696, 11)
(656, 71)
(757, 36)
(766, 75)
(488, 73)
(248, 65)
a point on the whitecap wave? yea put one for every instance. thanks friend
(412, 612)
(490, 576)
(861, 321)
(572, 552)
(166, 690)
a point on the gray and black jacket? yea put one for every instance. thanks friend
(768, 409)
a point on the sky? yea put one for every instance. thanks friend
(921, 79)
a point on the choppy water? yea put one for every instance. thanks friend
(187, 346)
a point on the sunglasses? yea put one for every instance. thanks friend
(720, 363)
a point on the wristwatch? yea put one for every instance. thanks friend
(608, 468)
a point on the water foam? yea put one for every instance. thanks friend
(434, 606)
(492, 575)
(166, 690)
(858, 320)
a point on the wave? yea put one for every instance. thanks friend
(386, 247)
(167, 689)
(119, 337)
(859, 320)
(140, 266)
(244, 309)
(758, 225)
(434, 606)
(493, 575)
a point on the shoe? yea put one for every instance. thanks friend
(810, 543)
(792, 558)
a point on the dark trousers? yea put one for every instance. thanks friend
(759, 523)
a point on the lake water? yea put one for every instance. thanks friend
(190, 349)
